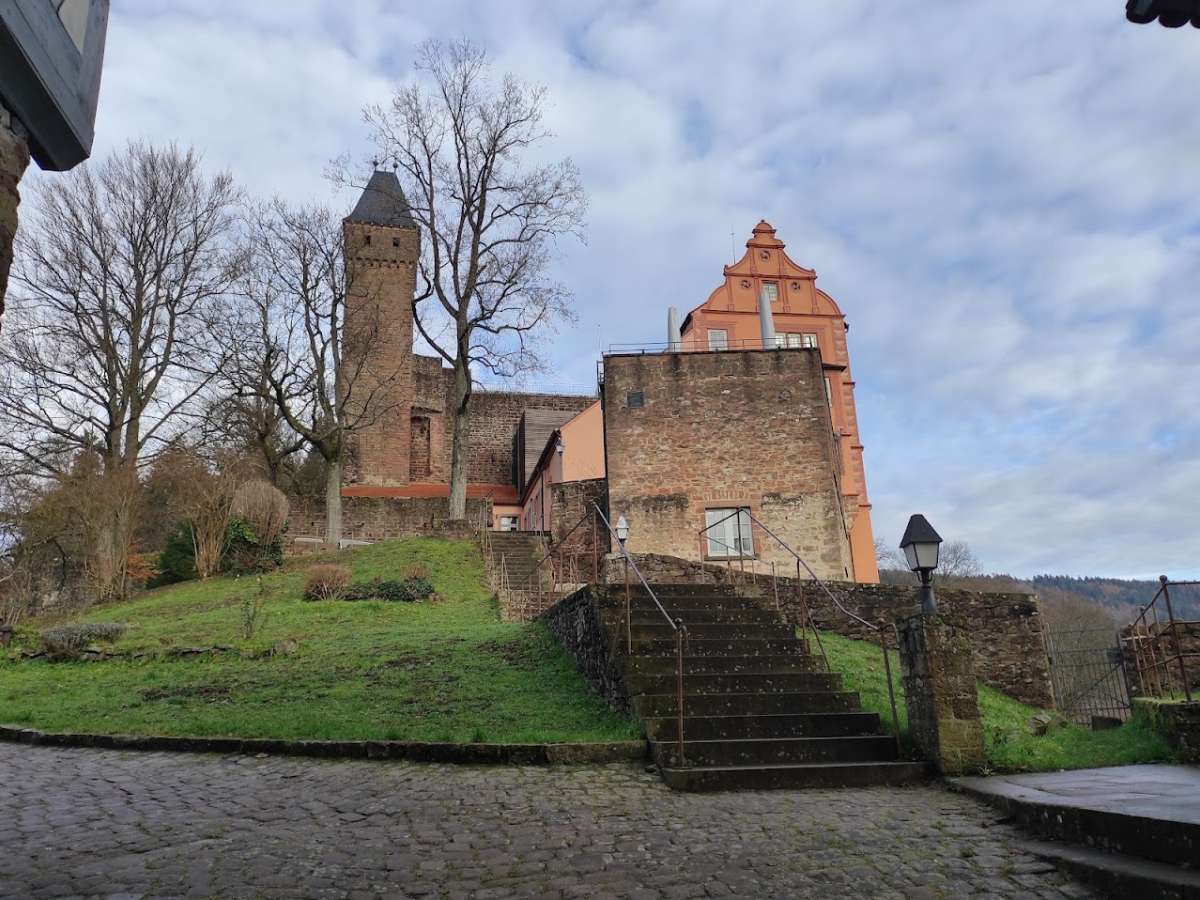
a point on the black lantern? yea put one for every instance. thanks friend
(920, 545)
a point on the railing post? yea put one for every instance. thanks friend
(595, 552)
(628, 614)
(1187, 688)
(887, 668)
(680, 637)
(775, 586)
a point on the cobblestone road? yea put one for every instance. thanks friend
(85, 822)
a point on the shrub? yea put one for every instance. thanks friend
(246, 552)
(404, 591)
(67, 641)
(326, 582)
(177, 562)
(260, 512)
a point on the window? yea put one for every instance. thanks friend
(770, 292)
(808, 340)
(793, 340)
(828, 392)
(728, 533)
(395, 242)
(718, 339)
(510, 523)
(367, 240)
(635, 400)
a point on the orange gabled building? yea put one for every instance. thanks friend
(767, 300)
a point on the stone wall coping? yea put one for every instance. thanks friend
(413, 751)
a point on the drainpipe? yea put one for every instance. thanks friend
(765, 319)
(673, 337)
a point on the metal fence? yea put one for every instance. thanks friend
(1087, 672)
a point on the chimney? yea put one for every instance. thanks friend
(766, 320)
(674, 340)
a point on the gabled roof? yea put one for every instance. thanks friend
(383, 203)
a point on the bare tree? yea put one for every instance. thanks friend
(956, 560)
(295, 353)
(119, 271)
(464, 147)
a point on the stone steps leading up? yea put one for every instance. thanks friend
(781, 725)
(759, 709)
(774, 751)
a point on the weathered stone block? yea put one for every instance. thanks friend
(939, 683)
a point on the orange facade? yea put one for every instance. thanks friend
(801, 315)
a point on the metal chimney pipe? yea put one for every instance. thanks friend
(766, 320)
(674, 339)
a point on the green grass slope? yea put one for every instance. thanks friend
(442, 670)
(1009, 744)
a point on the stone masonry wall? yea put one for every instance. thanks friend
(576, 623)
(579, 549)
(690, 431)
(1005, 628)
(382, 518)
(14, 159)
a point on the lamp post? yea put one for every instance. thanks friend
(920, 545)
(622, 536)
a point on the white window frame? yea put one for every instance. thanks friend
(733, 538)
(510, 523)
(809, 340)
(718, 343)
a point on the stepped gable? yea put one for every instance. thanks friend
(759, 710)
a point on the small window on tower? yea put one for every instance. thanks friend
(395, 242)
(367, 240)
(635, 400)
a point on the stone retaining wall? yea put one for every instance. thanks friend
(381, 519)
(575, 622)
(1005, 628)
(1165, 677)
(1178, 723)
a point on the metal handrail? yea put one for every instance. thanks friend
(677, 627)
(887, 665)
(1151, 639)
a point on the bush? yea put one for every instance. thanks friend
(246, 552)
(326, 582)
(403, 591)
(67, 641)
(177, 562)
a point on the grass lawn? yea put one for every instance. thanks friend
(446, 669)
(1009, 744)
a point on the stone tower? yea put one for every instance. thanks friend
(382, 246)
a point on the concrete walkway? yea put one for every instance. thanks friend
(1166, 793)
(1132, 830)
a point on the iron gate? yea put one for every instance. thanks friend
(1087, 671)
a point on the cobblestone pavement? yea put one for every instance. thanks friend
(90, 822)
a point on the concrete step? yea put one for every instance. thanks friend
(721, 665)
(736, 683)
(662, 705)
(804, 775)
(735, 727)
(715, 616)
(1119, 874)
(776, 751)
(722, 631)
(713, 647)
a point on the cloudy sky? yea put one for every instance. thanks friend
(1002, 196)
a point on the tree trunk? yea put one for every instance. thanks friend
(333, 501)
(461, 442)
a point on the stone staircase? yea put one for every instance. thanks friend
(760, 711)
(518, 552)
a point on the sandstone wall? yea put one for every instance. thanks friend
(1005, 628)
(381, 518)
(690, 431)
(575, 622)
(1154, 673)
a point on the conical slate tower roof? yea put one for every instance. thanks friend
(383, 203)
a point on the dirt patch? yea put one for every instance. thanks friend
(184, 692)
(520, 654)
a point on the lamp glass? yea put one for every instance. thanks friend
(921, 555)
(622, 529)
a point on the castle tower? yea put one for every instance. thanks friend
(382, 247)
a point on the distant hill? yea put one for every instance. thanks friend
(1075, 602)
